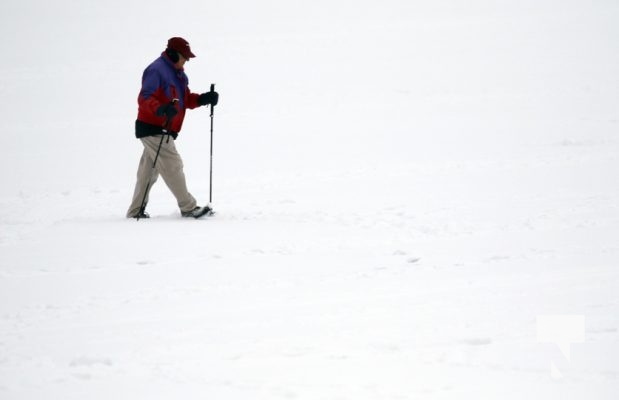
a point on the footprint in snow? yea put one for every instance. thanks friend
(481, 341)
(90, 362)
(409, 259)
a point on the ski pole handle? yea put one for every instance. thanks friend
(168, 121)
(212, 105)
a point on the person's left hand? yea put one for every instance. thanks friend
(208, 98)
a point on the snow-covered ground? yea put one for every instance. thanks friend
(404, 190)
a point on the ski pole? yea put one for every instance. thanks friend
(210, 196)
(164, 132)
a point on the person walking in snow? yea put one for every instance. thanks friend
(162, 102)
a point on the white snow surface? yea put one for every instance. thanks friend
(403, 189)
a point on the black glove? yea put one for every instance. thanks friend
(208, 98)
(169, 110)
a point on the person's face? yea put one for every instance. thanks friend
(181, 61)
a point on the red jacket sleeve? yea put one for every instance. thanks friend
(192, 99)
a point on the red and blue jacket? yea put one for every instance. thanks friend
(161, 83)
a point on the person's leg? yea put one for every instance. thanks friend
(170, 167)
(145, 173)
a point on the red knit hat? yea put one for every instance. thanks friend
(181, 45)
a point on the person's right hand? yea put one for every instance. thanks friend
(169, 110)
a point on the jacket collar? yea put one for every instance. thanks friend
(170, 63)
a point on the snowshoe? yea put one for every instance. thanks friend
(198, 212)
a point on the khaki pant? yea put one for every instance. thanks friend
(169, 166)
